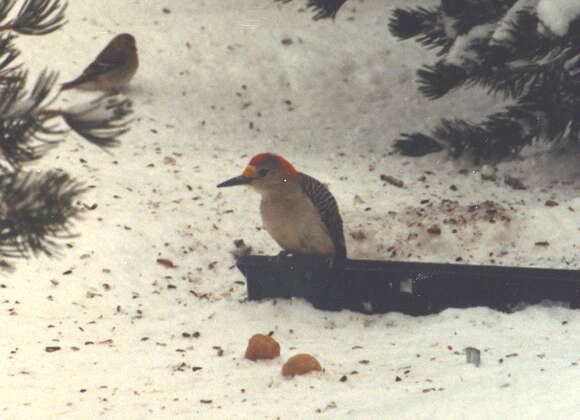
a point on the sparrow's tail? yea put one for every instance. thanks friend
(69, 85)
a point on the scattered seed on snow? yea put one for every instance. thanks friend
(165, 263)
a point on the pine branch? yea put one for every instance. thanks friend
(438, 80)
(25, 134)
(7, 54)
(42, 89)
(36, 211)
(100, 121)
(551, 114)
(522, 61)
(483, 143)
(495, 44)
(425, 24)
(11, 91)
(38, 17)
(439, 27)
(517, 16)
(467, 14)
(521, 38)
(435, 81)
(498, 137)
(37, 141)
(5, 8)
(323, 8)
(486, 56)
(407, 23)
(416, 145)
(516, 78)
(501, 135)
(16, 106)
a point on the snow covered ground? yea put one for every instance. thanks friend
(218, 83)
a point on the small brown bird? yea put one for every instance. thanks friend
(113, 68)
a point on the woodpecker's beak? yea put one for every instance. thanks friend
(237, 180)
(244, 179)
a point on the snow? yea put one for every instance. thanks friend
(558, 14)
(330, 100)
(503, 32)
(462, 51)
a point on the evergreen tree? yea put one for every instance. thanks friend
(37, 209)
(525, 50)
(503, 46)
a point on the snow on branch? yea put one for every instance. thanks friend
(558, 15)
(502, 49)
(100, 121)
(28, 128)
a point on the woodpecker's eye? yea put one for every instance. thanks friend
(262, 172)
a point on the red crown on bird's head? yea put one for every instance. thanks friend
(263, 157)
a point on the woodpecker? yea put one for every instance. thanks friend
(297, 210)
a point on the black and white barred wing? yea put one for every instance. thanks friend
(323, 200)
